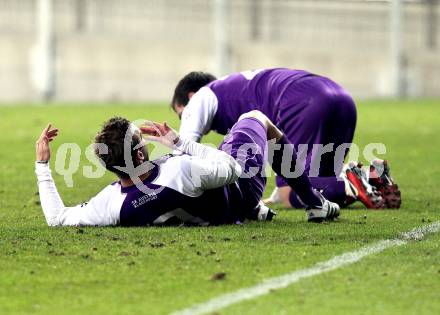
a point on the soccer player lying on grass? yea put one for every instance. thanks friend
(309, 109)
(205, 186)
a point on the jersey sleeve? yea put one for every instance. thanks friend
(209, 167)
(101, 210)
(198, 114)
(192, 175)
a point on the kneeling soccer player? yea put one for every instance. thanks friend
(311, 110)
(205, 186)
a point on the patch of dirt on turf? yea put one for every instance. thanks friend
(157, 245)
(218, 276)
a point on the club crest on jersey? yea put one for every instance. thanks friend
(143, 199)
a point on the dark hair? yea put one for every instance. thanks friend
(192, 82)
(112, 135)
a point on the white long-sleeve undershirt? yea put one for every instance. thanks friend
(101, 210)
(49, 198)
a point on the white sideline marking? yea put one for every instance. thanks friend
(283, 281)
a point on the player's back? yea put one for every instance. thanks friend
(242, 92)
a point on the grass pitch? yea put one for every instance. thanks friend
(159, 270)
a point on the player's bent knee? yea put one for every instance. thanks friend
(256, 114)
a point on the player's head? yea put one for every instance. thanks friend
(186, 88)
(118, 134)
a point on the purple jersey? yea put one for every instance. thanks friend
(245, 91)
(309, 109)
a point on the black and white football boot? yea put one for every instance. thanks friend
(327, 211)
(262, 213)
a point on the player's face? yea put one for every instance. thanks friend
(178, 108)
(142, 146)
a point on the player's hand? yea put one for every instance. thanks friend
(161, 133)
(42, 148)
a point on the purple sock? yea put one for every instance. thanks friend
(301, 184)
(331, 189)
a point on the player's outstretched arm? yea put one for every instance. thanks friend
(50, 199)
(97, 212)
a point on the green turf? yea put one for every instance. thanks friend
(158, 270)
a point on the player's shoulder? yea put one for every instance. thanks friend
(200, 110)
(110, 197)
(204, 95)
(110, 190)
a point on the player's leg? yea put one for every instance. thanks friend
(342, 124)
(353, 175)
(306, 116)
(247, 143)
(283, 161)
(330, 187)
(352, 185)
(282, 148)
(320, 116)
